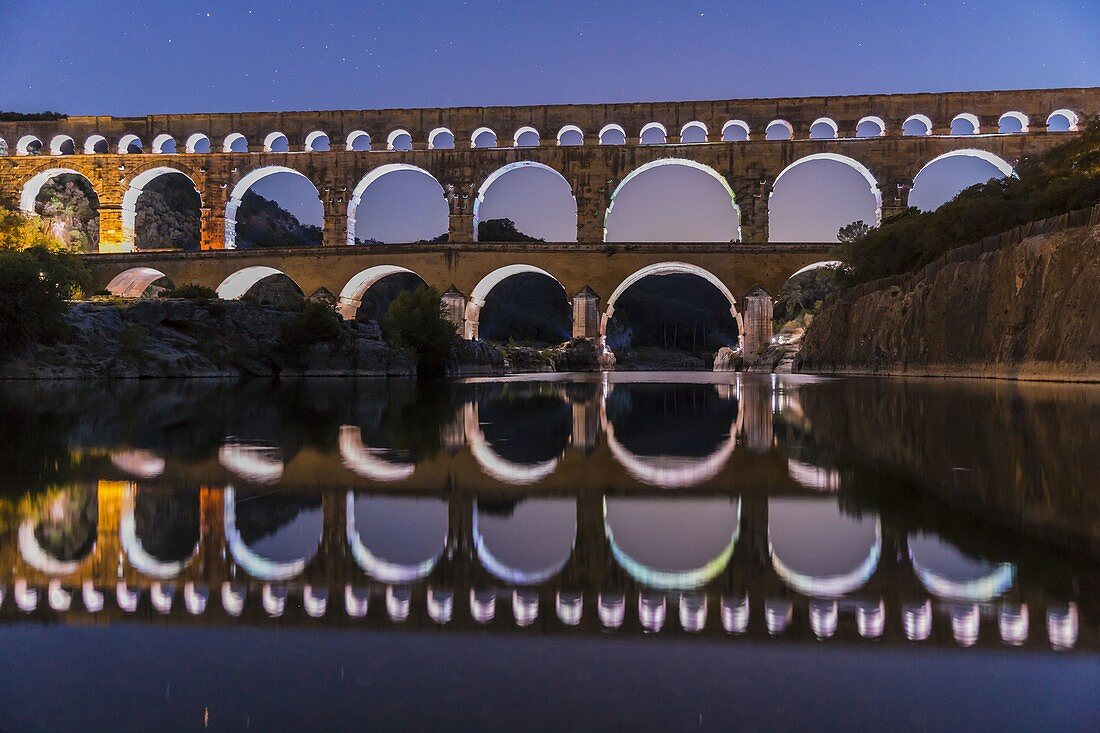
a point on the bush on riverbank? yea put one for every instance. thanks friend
(415, 321)
(1064, 179)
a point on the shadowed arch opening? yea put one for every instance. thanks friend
(820, 551)
(68, 201)
(197, 143)
(164, 144)
(570, 135)
(354, 295)
(518, 434)
(277, 206)
(534, 196)
(62, 145)
(235, 142)
(272, 536)
(242, 281)
(527, 542)
(533, 306)
(96, 145)
(396, 539)
(28, 145)
(813, 197)
(672, 544)
(161, 209)
(945, 571)
(669, 268)
(130, 145)
(358, 140)
(384, 465)
(397, 187)
(944, 177)
(61, 536)
(160, 531)
(673, 200)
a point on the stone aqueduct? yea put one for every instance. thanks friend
(745, 144)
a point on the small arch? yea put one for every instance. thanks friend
(96, 145)
(374, 175)
(441, 138)
(130, 145)
(28, 145)
(357, 140)
(164, 144)
(483, 137)
(235, 142)
(399, 140)
(133, 193)
(779, 130)
(3, 146)
(1063, 120)
(317, 142)
(824, 128)
(917, 125)
(735, 131)
(1012, 122)
(276, 142)
(694, 132)
(653, 133)
(612, 134)
(240, 282)
(871, 126)
(965, 123)
(526, 137)
(62, 145)
(132, 283)
(197, 143)
(570, 135)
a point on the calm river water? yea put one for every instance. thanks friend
(624, 551)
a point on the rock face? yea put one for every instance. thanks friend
(474, 358)
(579, 355)
(179, 338)
(1027, 311)
(727, 360)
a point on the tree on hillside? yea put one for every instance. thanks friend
(415, 321)
(852, 232)
(502, 230)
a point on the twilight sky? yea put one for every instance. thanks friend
(158, 56)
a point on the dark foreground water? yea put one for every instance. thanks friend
(623, 552)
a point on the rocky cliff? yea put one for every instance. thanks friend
(1030, 310)
(179, 338)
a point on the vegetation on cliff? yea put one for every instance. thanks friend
(415, 321)
(1064, 179)
(261, 222)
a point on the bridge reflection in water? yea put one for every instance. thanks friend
(569, 507)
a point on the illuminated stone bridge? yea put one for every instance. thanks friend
(746, 146)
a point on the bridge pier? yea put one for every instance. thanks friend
(757, 322)
(336, 226)
(454, 309)
(586, 314)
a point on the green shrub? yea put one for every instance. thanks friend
(415, 321)
(315, 323)
(35, 286)
(191, 291)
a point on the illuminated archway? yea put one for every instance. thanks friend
(526, 137)
(612, 134)
(240, 282)
(917, 125)
(1013, 122)
(653, 133)
(69, 219)
(235, 142)
(429, 224)
(96, 145)
(680, 215)
(164, 144)
(966, 123)
(135, 550)
(694, 132)
(28, 145)
(779, 130)
(495, 465)
(317, 142)
(931, 190)
(531, 544)
(130, 145)
(62, 145)
(483, 137)
(237, 196)
(399, 140)
(527, 220)
(396, 539)
(264, 567)
(351, 297)
(1063, 120)
(357, 140)
(871, 126)
(133, 194)
(197, 143)
(824, 128)
(133, 282)
(832, 207)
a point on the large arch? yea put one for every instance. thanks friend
(668, 268)
(86, 225)
(495, 465)
(825, 195)
(530, 544)
(494, 278)
(248, 181)
(377, 174)
(133, 193)
(668, 544)
(684, 215)
(396, 539)
(527, 223)
(818, 550)
(33, 186)
(132, 283)
(928, 193)
(351, 296)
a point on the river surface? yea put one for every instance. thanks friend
(624, 551)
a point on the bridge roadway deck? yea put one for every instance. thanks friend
(740, 266)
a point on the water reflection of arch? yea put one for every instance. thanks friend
(948, 573)
(818, 550)
(679, 543)
(396, 539)
(61, 542)
(255, 463)
(528, 469)
(528, 543)
(261, 562)
(376, 464)
(670, 471)
(149, 556)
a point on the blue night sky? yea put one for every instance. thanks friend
(158, 56)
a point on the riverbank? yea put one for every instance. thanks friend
(1026, 310)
